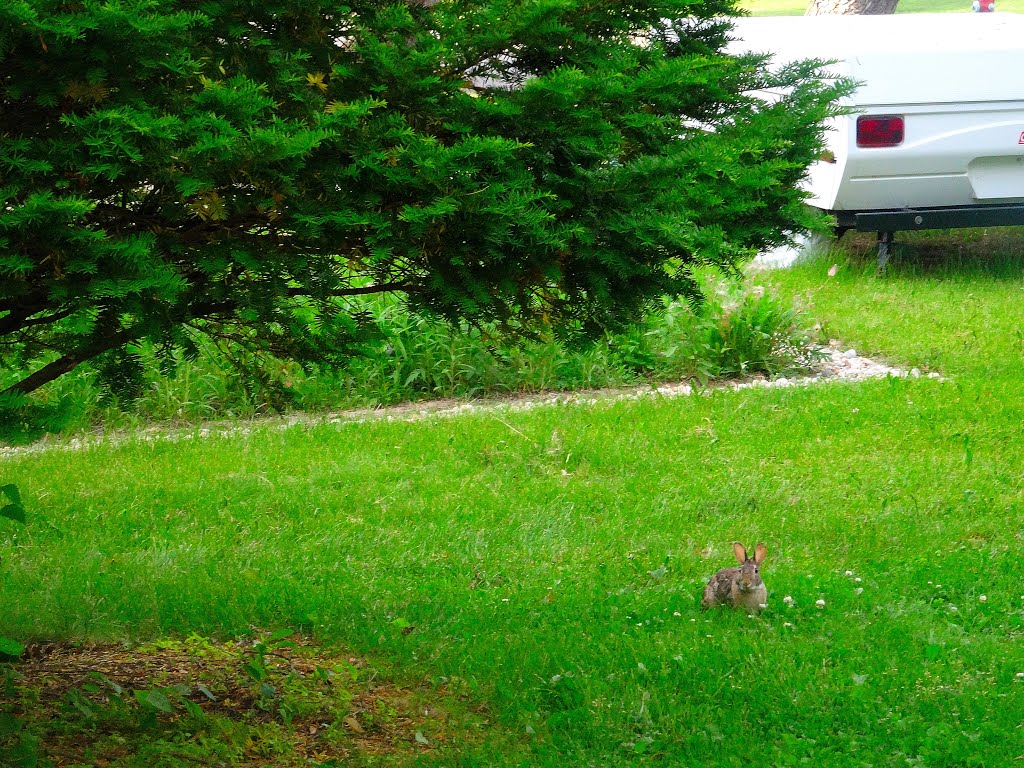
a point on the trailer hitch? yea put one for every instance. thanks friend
(886, 240)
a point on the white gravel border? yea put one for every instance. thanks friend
(837, 365)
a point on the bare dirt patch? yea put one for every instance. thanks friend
(269, 702)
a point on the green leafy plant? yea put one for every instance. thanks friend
(9, 647)
(18, 749)
(750, 330)
(13, 510)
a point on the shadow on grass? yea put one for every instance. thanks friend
(996, 253)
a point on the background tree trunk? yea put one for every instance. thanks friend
(822, 7)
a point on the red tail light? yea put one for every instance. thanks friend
(879, 130)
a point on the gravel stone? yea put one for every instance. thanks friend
(835, 365)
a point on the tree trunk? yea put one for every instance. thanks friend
(824, 7)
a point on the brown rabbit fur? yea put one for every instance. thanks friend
(739, 587)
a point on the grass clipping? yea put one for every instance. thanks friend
(275, 701)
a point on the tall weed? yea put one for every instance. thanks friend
(739, 329)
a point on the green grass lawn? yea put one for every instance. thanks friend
(547, 564)
(798, 7)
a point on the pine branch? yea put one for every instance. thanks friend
(393, 287)
(15, 322)
(69, 362)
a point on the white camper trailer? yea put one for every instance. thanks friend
(935, 138)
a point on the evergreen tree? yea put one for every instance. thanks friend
(242, 168)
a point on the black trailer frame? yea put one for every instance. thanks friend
(887, 222)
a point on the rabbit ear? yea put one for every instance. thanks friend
(759, 553)
(739, 551)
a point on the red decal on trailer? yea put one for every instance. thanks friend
(1021, 139)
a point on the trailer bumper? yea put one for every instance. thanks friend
(1000, 215)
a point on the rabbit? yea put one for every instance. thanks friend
(739, 587)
